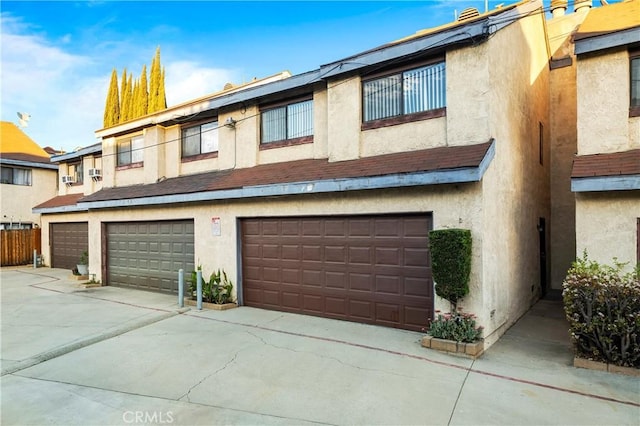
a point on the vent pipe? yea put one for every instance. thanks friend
(582, 5)
(558, 7)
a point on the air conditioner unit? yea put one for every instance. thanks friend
(68, 179)
(95, 173)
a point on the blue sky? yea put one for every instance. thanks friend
(57, 56)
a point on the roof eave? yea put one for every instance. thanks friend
(607, 41)
(399, 180)
(606, 183)
(251, 93)
(60, 209)
(473, 32)
(31, 164)
(92, 149)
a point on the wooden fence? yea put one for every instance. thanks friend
(17, 245)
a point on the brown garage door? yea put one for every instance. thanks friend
(148, 255)
(68, 241)
(370, 269)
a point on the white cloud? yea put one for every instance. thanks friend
(65, 92)
(41, 79)
(186, 80)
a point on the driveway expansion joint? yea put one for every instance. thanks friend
(82, 343)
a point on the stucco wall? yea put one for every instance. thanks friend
(18, 200)
(563, 148)
(606, 226)
(515, 187)
(498, 89)
(89, 185)
(563, 145)
(222, 251)
(48, 219)
(603, 104)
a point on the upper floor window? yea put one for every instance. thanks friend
(635, 85)
(131, 151)
(402, 93)
(15, 176)
(200, 139)
(287, 122)
(76, 170)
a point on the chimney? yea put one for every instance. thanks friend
(582, 5)
(558, 7)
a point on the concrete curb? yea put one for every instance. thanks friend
(65, 349)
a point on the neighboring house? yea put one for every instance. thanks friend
(316, 192)
(28, 178)
(606, 170)
(64, 222)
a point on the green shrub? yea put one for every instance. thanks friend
(216, 290)
(458, 326)
(451, 263)
(602, 306)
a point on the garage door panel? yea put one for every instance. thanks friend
(389, 313)
(361, 310)
(372, 269)
(335, 280)
(388, 284)
(148, 255)
(68, 242)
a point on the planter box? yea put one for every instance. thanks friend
(91, 285)
(603, 366)
(470, 350)
(214, 306)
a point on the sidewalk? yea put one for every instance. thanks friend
(122, 356)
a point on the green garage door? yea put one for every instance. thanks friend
(148, 255)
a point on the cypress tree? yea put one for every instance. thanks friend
(162, 93)
(154, 83)
(129, 90)
(143, 95)
(136, 98)
(123, 97)
(112, 105)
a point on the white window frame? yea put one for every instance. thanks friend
(134, 154)
(207, 138)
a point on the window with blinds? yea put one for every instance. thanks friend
(403, 93)
(286, 122)
(15, 176)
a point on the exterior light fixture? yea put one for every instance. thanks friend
(230, 123)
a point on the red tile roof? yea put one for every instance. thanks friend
(614, 164)
(445, 158)
(60, 201)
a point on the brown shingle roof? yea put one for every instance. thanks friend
(60, 201)
(614, 164)
(445, 158)
(25, 157)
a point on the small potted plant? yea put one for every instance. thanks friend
(83, 264)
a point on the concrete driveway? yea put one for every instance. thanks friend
(111, 356)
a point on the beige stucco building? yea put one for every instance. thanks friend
(316, 192)
(65, 223)
(28, 178)
(606, 170)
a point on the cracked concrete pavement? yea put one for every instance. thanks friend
(111, 356)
